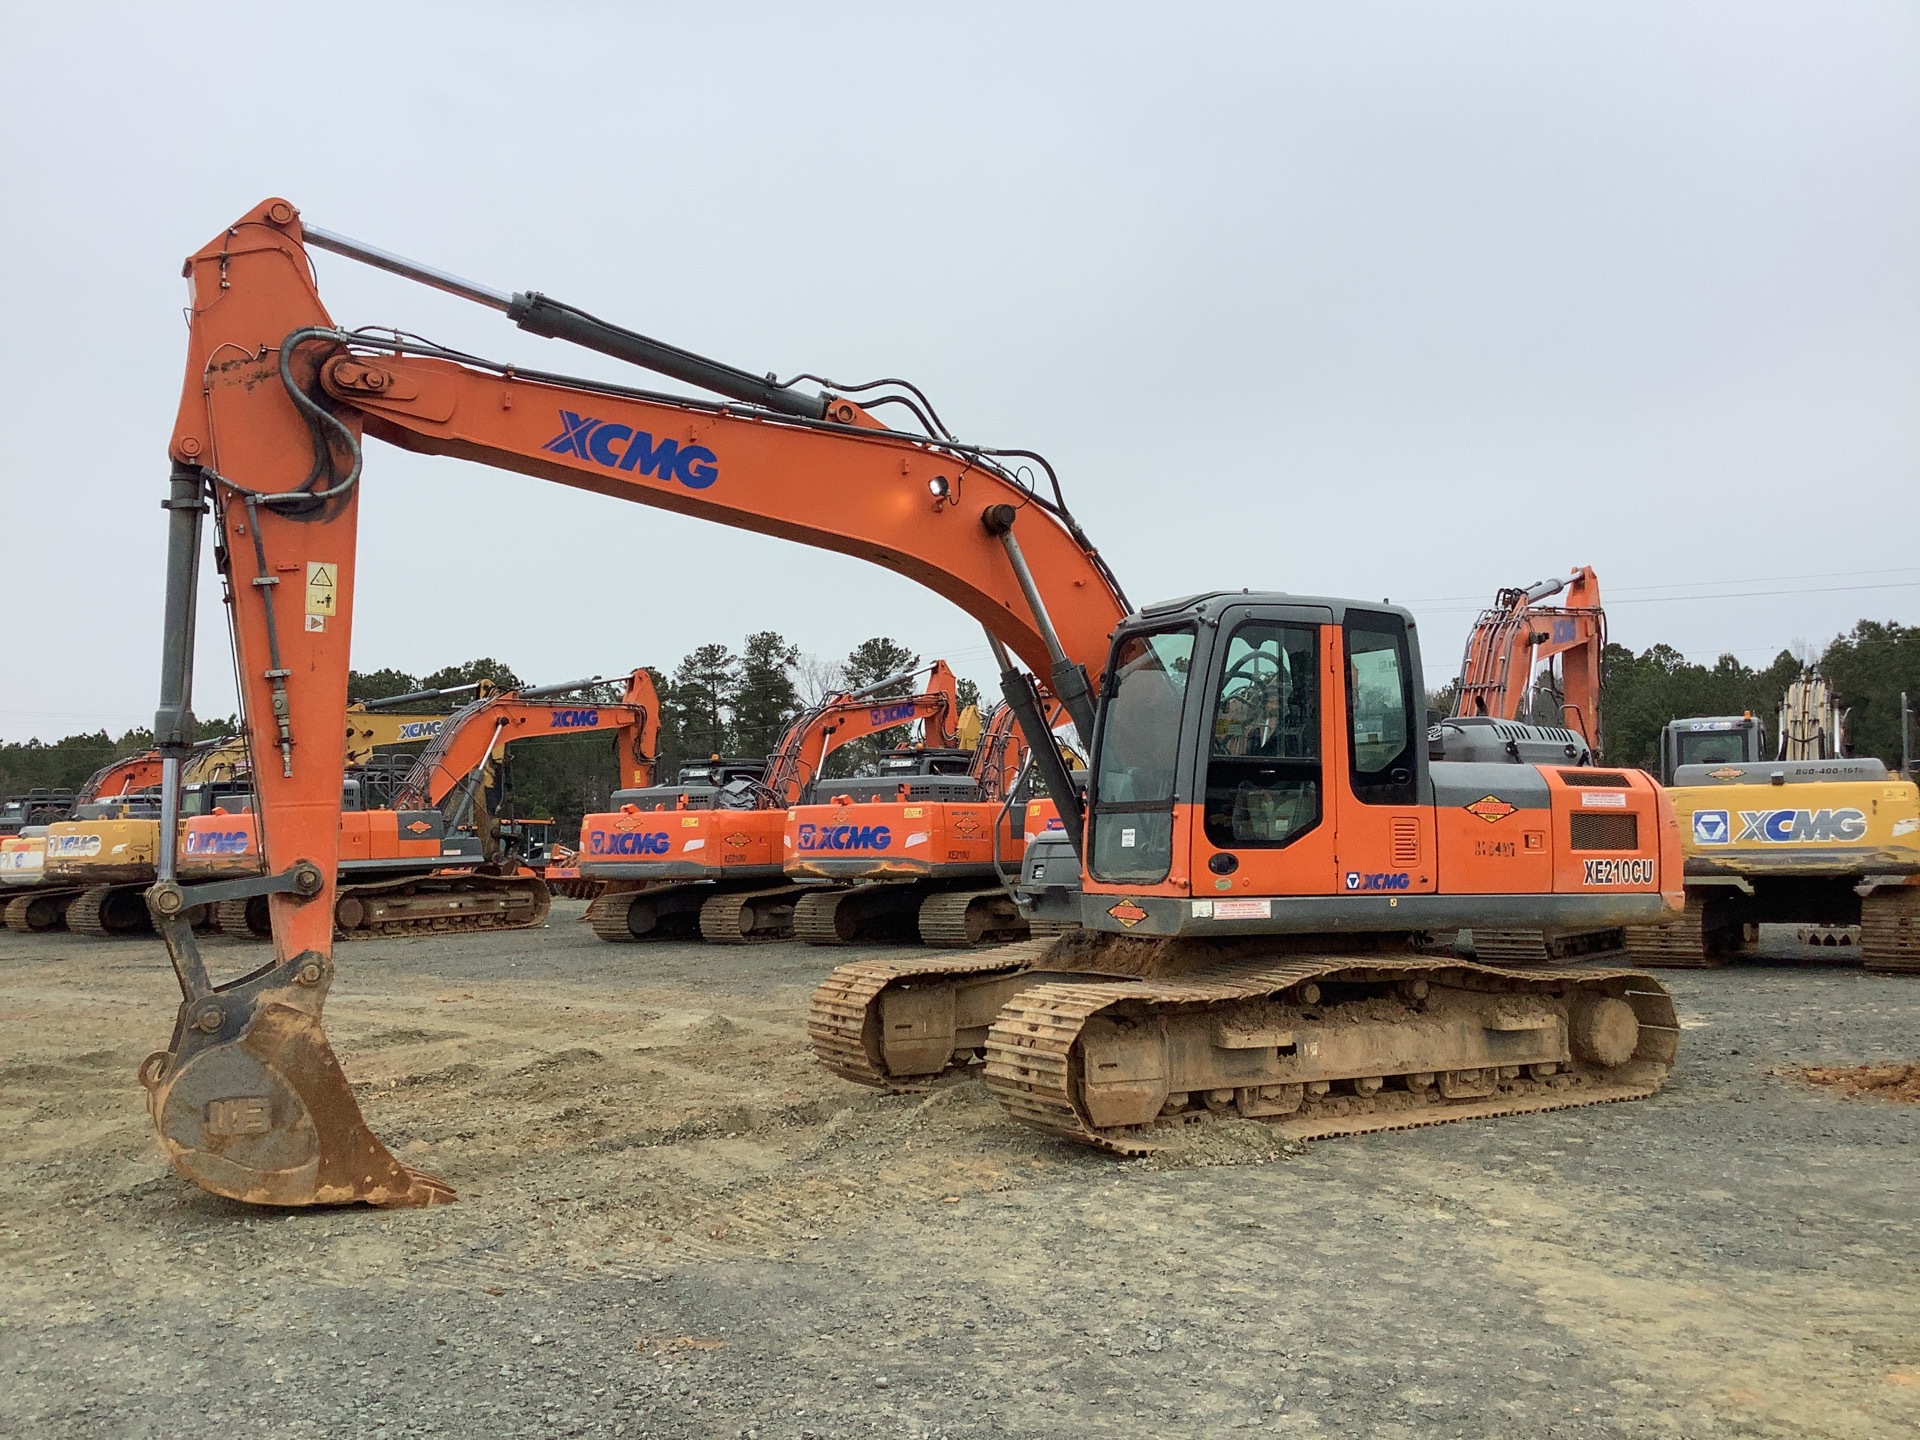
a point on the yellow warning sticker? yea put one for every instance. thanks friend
(323, 582)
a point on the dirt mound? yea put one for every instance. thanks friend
(1890, 1082)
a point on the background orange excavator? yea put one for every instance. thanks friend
(1265, 840)
(703, 856)
(1528, 693)
(919, 839)
(425, 856)
(1528, 661)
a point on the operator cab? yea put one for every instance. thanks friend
(715, 783)
(1711, 741)
(908, 773)
(36, 807)
(1217, 703)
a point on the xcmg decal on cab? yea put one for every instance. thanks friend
(1384, 880)
(219, 842)
(421, 729)
(845, 837)
(620, 447)
(629, 842)
(574, 720)
(1780, 827)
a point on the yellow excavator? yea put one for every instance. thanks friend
(1812, 837)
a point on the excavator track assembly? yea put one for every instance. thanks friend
(37, 914)
(440, 905)
(651, 912)
(244, 919)
(1890, 930)
(1537, 947)
(745, 917)
(1317, 1046)
(108, 911)
(903, 911)
(961, 919)
(1686, 943)
(901, 1025)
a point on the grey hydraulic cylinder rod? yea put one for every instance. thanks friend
(414, 697)
(173, 727)
(542, 315)
(1541, 589)
(1041, 751)
(1069, 679)
(407, 269)
(543, 691)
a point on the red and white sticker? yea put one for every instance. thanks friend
(1603, 799)
(1243, 909)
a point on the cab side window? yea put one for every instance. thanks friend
(1380, 710)
(1263, 760)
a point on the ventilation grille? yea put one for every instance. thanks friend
(1606, 832)
(1406, 844)
(1612, 779)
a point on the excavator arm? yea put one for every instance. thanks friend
(248, 1098)
(1517, 633)
(475, 738)
(841, 719)
(121, 777)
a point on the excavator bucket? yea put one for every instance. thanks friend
(250, 1102)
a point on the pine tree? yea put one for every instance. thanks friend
(878, 658)
(698, 704)
(766, 700)
(379, 684)
(873, 660)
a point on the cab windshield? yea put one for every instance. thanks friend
(1135, 757)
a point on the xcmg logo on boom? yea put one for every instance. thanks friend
(574, 720)
(890, 714)
(629, 842)
(1787, 827)
(621, 447)
(421, 729)
(219, 842)
(845, 837)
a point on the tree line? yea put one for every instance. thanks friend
(721, 701)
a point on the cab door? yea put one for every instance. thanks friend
(1263, 826)
(1386, 830)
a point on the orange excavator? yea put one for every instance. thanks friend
(1528, 693)
(427, 859)
(920, 840)
(703, 856)
(1265, 841)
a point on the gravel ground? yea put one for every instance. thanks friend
(672, 1224)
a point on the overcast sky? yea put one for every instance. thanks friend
(1382, 300)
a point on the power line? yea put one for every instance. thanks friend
(1691, 584)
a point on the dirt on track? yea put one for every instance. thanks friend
(673, 1223)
